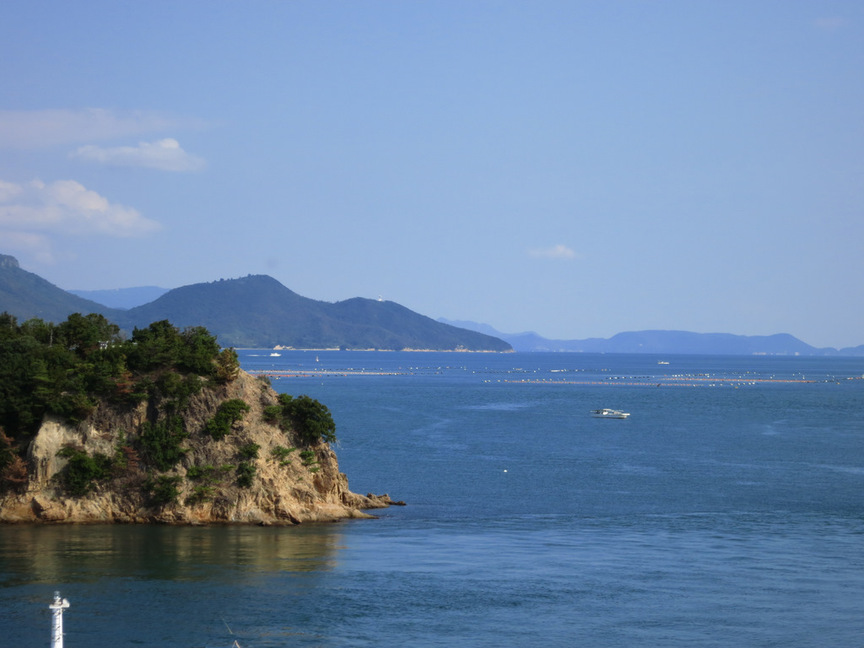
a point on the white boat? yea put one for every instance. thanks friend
(609, 413)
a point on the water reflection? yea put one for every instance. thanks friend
(65, 554)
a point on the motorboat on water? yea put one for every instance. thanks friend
(609, 413)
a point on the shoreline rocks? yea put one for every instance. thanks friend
(284, 490)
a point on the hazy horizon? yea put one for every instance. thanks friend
(482, 327)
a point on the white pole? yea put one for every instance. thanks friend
(57, 608)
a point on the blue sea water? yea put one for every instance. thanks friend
(728, 510)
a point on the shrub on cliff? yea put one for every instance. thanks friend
(161, 442)
(227, 366)
(226, 415)
(82, 470)
(310, 419)
(163, 489)
(13, 469)
(245, 474)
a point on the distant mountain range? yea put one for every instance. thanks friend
(259, 312)
(255, 311)
(665, 342)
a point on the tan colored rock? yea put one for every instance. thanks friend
(280, 494)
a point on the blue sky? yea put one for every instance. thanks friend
(572, 168)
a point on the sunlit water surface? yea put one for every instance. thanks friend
(728, 510)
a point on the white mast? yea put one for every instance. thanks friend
(57, 608)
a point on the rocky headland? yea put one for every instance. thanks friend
(162, 443)
(285, 489)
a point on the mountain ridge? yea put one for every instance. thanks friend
(664, 342)
(255, 311)
(264, 313)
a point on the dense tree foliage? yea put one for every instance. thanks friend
(72, 368)
(66, 368)
(161, 442)
(82, 470)
(310, 419)
(13, 469)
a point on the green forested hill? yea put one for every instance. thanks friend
(258, 311)
(254, 311)
(26, 295)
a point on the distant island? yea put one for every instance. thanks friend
(251, 312)
(665, 342)
(259, 312)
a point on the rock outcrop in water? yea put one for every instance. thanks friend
(258, 473)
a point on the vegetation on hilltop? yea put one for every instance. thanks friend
(255, 311)
(264, 313)
(83, 365)
(66, 369)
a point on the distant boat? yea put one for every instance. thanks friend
(609, 413)
(662, 362)
(275, 355)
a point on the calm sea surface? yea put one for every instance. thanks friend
(728, 510)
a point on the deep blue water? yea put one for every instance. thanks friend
(728, 510)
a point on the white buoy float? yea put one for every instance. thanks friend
(57, 608)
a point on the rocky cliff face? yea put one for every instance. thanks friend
(287, 486)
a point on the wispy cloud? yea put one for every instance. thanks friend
(8, 190)
(35, 245)
(829, 23)
(555, 252)
(25, 129)
(66, 207)
(165, 154)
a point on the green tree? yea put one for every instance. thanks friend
(227, 366)
(82, 470)
(245, 474)
(249, 450)
(43, 332)
(8, 326)
(310, 419)
(156, 346)
(198, 351)
(164, 489)
(161, 442)
(226, 415)
(85, 334)
(13, 469)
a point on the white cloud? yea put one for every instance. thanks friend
(554, 252)
(8, 190)
(829, 23)
(36, 245)
(25, 129)
(164, 154)
(66, 207)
